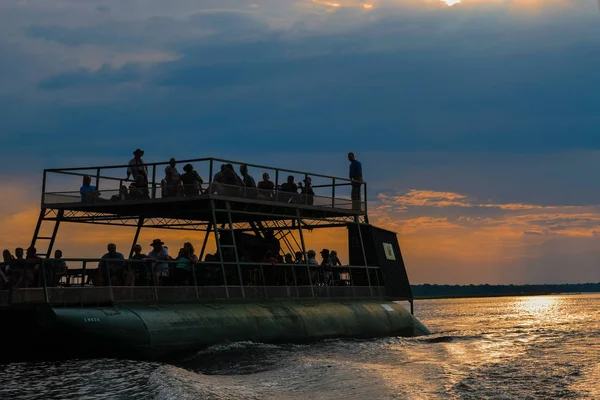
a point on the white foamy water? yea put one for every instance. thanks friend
(543, 347)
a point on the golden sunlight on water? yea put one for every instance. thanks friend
(538, 308)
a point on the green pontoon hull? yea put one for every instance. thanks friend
(168, 331)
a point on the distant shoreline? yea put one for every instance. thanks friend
(472, 296)
(428, 291)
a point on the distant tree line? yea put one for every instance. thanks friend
(428, 290)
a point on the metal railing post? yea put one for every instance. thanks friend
(97, 178)
(276, 185)
(210, 177)
(83, 272)
(153, 275)
(44, 188)
(333, 194)
(46, 299)
(112, 296)
(365, 194)
(153, 181)
(312, 289)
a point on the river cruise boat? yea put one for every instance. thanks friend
(240, 289)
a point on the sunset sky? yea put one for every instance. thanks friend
(476, 121)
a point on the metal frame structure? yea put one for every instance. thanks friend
(212, 212)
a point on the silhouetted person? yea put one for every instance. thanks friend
(289, 189)
(172, 164)
(89, 193)
(249, 182)
(110, 267)
(356, 177)
(308, 194)
(137, 167)
(266, 188)
(192, 182)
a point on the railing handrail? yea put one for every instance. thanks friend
(153, 164)
(173, 261)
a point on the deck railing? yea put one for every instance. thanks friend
(61, 186)
(38, 281)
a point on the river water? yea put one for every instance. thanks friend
(541, 347)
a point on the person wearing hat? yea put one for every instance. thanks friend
(192, 182)
(159, 253)
(137, 166)
(308, 194)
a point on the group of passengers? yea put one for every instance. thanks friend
(146, 269)
(225, 182)
(26, 269)
(185, 269)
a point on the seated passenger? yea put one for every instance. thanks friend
(192, 182)
(138, 190)
(159, 253)
(265, 188)
(59, 268)
(312, 262)
(289, 189)
(33, 268)
(110, 267)
(171, 185)
(248, 182)
(89, 193)
(232, 182)
(138, 273)
(326, 264)
(183, 269)
(308, 194)
(123, 194)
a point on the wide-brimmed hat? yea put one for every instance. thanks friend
(157, 241)
(325, 251)
(138, 151)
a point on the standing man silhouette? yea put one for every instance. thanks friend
(356, 176)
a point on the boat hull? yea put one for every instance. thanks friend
(170, 331)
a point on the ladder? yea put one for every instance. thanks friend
(40, 227)
(226, 227)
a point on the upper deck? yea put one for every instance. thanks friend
(331, 197)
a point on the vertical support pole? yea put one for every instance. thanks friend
(195, 280)
(312, 289)
(210, 178)
(153, 275)
(83, 271)
(208, 229)
(154, 181)
(237, 259)
(46, 298)
(137, 235)
(59, 217)
(333, 194)
(365, 198)
(412, 306)
(44, 188)
(277, 185)
(362, 246)
(110, 287)
(97, 178)
(219, 249)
